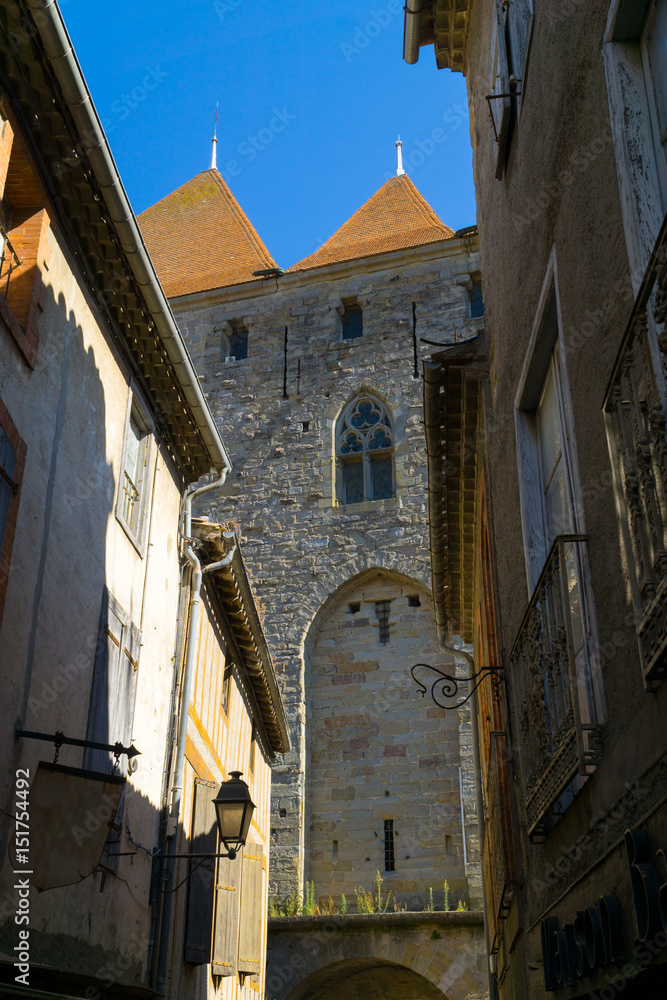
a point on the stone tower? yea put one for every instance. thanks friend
(314, 375)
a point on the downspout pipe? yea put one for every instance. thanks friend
(412, 28)
(186, 685)
(55, 39)
(447, 646)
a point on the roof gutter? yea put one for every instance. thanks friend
(412, 29)
(53, 33)
(437, 522)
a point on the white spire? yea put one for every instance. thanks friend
(214, 141)
(399, 146)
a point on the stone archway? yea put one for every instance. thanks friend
(392, 956)
(366, 979)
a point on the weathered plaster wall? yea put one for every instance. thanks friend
(219, 742)
(560, 193)
(300, 546)
(71, 411)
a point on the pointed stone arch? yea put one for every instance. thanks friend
(365, 729)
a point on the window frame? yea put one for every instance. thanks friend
(228, 329)
(342, 307)
(546, 347)
(137, 413)
(641, 174)
(366, 457)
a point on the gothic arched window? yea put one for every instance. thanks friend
(364, 452)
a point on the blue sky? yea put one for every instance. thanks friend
(312, 96)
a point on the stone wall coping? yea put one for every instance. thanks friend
(352, 921)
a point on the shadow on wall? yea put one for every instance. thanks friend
(56, 648)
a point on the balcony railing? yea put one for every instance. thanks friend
(635, 414)
(553, 676)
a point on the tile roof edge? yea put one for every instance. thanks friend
(295, 268)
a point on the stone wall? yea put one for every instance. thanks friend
(279, 422)
(379, 751)
(377, 956)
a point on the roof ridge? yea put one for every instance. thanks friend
(419, 200)
(248, 228)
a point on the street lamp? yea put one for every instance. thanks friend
(234, 809)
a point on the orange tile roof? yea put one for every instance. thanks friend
(396, 217)
(199, 238)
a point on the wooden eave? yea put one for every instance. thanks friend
(445, 26)
(235, 594)
(59, 153)
(452, 409)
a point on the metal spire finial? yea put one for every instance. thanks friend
(399, 146)
(214, 141)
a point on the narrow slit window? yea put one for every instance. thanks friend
(382, 610)
(389, 853)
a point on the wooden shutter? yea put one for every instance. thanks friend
(114, 687)
(252, 910)
(520, 18)
(201, 887)
(112, 699)
(226, 928)
(501, 107)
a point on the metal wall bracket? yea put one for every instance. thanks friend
(60, 740)
(449, 684)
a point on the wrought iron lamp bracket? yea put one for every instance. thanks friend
(449, 684)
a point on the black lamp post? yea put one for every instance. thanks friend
(234, 809)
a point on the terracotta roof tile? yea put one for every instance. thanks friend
(200, 238)
(396, 217)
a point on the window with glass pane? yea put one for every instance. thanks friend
(364, 451)
(381, 475)
(134, 483)
(353, 323)
(354, 482)
(238, 344)
(557, 515)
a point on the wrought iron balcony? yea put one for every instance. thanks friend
(553, 668)
(635, 415)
